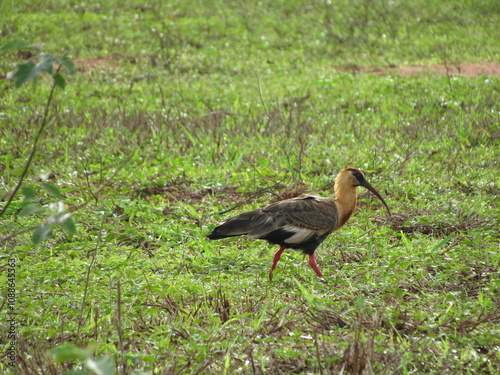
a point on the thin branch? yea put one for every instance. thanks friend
(15, 234)
(73, 209)
(87, 279)
(45, 121)
(88, 183)
(103, 186)
(318, 357)
(122, 369)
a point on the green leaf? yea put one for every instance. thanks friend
(24, 73)
(193, 212)
(77, 372)
(41, 233)
(101, 366)
(28, 192)
(69, 226)
(30, 71)
(17, 171)
(67, 63)
(15, 44)
(442, 243)
(360, 303)
(59, 80)
(314, 301)
(188, 134)
(30, 208)
(68, 352)
(46, 64)
(52, 189)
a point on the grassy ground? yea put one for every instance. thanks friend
(180, 111)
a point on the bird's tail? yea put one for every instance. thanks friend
(217, 236)
(225, 230)
(248, 223)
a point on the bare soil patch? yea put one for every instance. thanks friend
(86, 65)
(466, 70)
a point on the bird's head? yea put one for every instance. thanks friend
(354, 177)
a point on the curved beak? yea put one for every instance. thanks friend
(367, 185)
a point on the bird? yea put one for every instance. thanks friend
(300, 223)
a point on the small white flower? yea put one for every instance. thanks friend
(58, 207)
(63, 218)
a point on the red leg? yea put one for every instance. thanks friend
(276, 258)
(315, 267)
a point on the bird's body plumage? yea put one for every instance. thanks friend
(299, 223)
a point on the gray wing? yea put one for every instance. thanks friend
(302, 217)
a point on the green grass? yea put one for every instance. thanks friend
(180, 111)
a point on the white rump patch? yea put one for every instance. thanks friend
(301, 234)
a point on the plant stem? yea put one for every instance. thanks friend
(33, 148)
